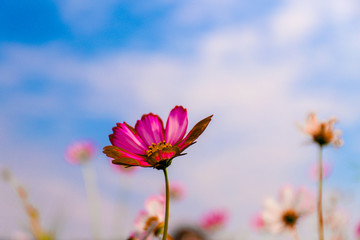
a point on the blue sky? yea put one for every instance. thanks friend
(70, 70)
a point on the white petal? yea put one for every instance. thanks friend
(287, 197)
(155, 206)
(271, 216)
(276, 227)
(141, 221)
(270, 204)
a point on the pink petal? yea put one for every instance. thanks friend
(176, 125)
(163, 155)
(167, 155)
(257, 222)
(357, 230)
(314, 171)
(150, 129)
(214, 219)
(126, 138)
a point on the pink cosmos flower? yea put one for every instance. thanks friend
(214, 220)
(149, 144)
(80, 152)
(323, 133)
(314, 171)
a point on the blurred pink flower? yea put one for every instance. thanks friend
(177, 191)
(214, 220)
(149, 222)
(257, 222)
(80, 152)
(323, 133)
(314, 171)
(357, 231)
(149, 144)
(282, 214)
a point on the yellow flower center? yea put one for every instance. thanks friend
(160, 155)
(150, 221)
(83, 156)
(154, 148)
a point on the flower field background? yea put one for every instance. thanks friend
(71, 70)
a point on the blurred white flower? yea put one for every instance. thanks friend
(323, 133)
(149, 222)
(283, 214)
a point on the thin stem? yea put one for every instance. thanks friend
(30, 210)
(122, 206)
(166, 206)
(319, 202)
(92, 193)
(295, 234)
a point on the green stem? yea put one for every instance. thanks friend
(319, 202)
(166, 223)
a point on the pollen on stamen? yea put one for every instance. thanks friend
(157, 147)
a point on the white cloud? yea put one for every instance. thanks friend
(256, 95)
(190, 12)
(295, 21)
(342, 11)
(86, 16)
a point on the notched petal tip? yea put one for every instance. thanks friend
(179, 106)
(150, 114)
(150, 128)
